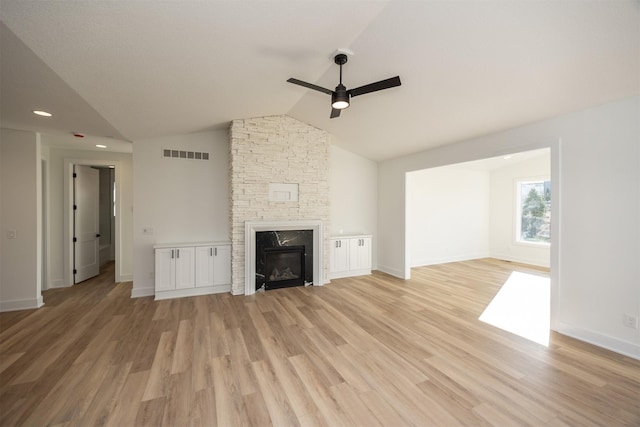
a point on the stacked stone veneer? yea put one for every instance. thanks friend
(277, 149)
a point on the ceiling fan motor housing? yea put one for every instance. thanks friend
(341, 59)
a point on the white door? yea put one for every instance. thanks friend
(86, 223)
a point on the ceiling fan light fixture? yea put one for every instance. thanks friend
(340, 105)
(340, 98)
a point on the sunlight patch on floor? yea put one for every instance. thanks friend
(522, 307)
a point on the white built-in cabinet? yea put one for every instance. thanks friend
(350, 256)
(174, 268)
(188, 269)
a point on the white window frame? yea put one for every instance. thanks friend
(518, 211)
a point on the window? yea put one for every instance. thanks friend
(533, 211)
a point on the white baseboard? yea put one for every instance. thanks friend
(610, 343)
(392, 271)
(521, 260)
(350, 273)
(21, 304)
(143, 292)
(443, 260)
(192, 292)
(124, 278)
(58, 284)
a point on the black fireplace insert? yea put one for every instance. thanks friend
(284, 259)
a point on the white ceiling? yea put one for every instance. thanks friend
(131, 70)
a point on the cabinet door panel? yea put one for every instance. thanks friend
(339, 253)
(360, 253)
(222, 265)
(165, 270)
(364, 254)
(185, 268)
(204, 266)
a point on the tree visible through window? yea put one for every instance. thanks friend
(534, 211)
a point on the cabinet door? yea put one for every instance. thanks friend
(204, 266)
(222, 265)
(360, 253)
(185, 268)
(339, 254)
(165, 269)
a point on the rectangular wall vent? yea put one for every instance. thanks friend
(181, 154)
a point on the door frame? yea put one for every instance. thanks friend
(555, 147)
(68, 213)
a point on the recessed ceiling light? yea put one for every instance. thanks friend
(42, 113)
(506, 157)
(101, 146)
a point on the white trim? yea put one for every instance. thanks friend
(610, 343)
(21, 304)
(443, 260)
(392, 271)
(350, 273)
(521, 260)
(191, 292)
(250, 229)
(143, 292)
(58, 284)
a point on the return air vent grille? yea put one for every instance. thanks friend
(182, 154)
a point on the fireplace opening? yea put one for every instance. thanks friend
(284, 267)
(283, 259)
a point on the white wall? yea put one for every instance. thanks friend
(20, 201)
(503, 211)
(596, 235)
(58, 248)
(353, 182)
(182, 200)
(447, 215)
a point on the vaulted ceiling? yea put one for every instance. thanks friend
(131, 70)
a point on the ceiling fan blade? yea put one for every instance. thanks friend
(310, 86)
(334, 113)
(373, 87)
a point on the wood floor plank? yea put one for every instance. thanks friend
(361, 351)
(204, 408)
(275, 397)
(129, 400)
(160, 375)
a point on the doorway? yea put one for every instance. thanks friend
(93, 220)
(114, 244)
(468, 211)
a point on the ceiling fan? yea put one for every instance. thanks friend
(341, 96)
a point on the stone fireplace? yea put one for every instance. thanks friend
(279, 181)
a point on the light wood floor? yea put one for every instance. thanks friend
(358, 352)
